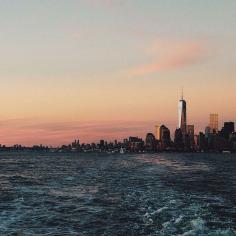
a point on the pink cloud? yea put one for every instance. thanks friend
(171, 55)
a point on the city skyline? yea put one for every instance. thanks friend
(212, 127)
(117, 117)
(106, 69)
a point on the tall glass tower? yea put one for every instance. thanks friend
(182, 116)
(214, 120)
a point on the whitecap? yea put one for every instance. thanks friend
(198, 224)
(178, 220)
(159, 210)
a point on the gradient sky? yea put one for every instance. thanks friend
(92, 69)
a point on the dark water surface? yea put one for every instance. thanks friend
(95, 194)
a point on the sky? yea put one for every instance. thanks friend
(108, 69)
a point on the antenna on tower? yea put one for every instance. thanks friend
(182, 94)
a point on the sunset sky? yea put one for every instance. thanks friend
(91, 69)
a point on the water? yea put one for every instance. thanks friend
(98, 194)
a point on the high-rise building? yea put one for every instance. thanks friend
(158, 132)
(179, 144)
(214, 123)
(135, 144)
(165, 137)
(196, 141)
(151, 143)
(102, 143)
(232, 140)
(182, 117)
(163, 134)
(227, 129)
(207, 132)
(75, 144)
(190, 132)
(201, 142)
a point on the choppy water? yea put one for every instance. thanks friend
(91, 194)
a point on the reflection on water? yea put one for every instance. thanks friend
(96, 194)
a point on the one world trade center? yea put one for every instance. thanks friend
(182, 116)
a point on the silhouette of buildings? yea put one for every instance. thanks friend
(150, 143)
(178, 141)
(207, 131)
(165, 140)
(190, 133)
(202, 143)
(227, 129)
(135, 144)
(232, 141)
(185, 139)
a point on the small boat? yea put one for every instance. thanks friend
(227, 152)
(122, 151)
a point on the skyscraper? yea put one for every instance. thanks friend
(207, 132)
(151, 143)
(190, 132)
(178, 141)
(182, 116)
(163, 135)
(158, 132)
(227, 129)
(214, 123)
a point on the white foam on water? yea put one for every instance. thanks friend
(147, 219)
(179, 219)
(159, 210)
(166, 224)
(197, 228)
(198, 224)
(189, 233)
(172, 201)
